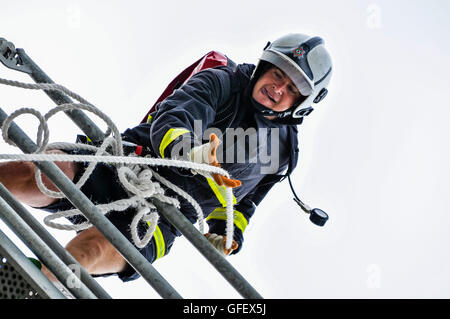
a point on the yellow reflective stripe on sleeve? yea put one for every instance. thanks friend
(171, 134)
(221, 213)
(220, 192)
(159, 241)
(149, 118)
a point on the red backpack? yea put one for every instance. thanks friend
(209, 60)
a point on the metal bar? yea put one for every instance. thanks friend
(51, 242)
(117, 239)
(176, 218)
(77, 116)
(43, 252)
(28, 270)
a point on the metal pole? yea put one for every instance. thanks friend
(43, 252)
(117, 239)
(54, 245)
(28, 270)
(77, 116)
(176, 218)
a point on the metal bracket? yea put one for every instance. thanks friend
(10, 58)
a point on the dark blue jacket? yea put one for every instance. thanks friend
(220, 99)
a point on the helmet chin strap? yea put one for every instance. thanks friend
(264, 110)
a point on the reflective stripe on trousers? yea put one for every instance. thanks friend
(160, 244)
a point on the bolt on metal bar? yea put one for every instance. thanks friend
(51, 242)
(176, 218)
(77, 116)
(43, 252)
(28, 270)
(115, 237)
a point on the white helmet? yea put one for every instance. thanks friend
(307, 63)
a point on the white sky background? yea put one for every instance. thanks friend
(374, 153)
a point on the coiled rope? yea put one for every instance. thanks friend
(134, 172)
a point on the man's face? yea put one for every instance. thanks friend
(275, 90)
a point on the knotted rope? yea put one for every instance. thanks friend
(141, 182)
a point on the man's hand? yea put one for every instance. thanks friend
(219, 242)
(207, 154)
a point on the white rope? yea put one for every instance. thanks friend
(230, 219)
(133, 172)
(203, 168)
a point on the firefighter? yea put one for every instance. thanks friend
(243, 119)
